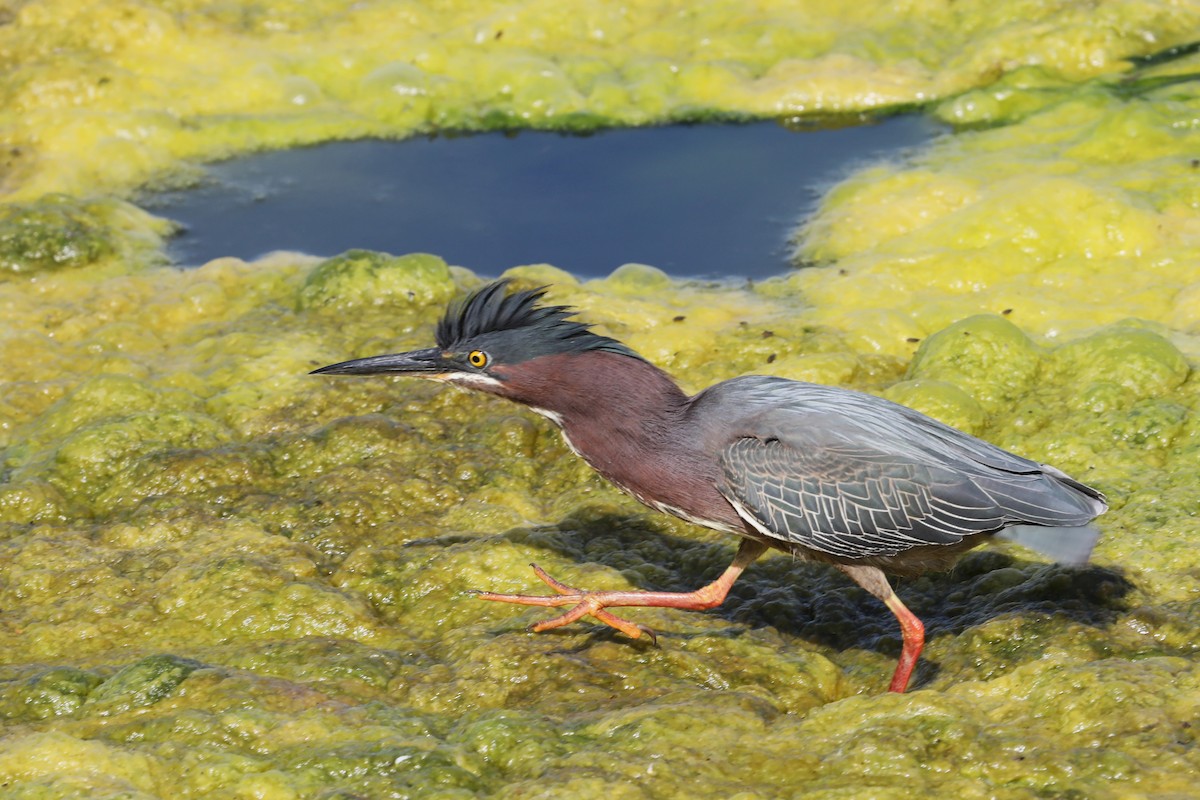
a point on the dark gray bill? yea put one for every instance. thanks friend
(418, 362)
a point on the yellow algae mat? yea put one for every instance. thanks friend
(220, 577)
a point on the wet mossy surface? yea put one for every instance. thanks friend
(223, 577)
(59, 232)
(281, 588)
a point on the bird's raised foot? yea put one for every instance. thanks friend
(585, 603)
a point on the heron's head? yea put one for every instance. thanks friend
(503, 343)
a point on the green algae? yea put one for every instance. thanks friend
(143, 91)
(331, 571)
(358, 277)
(988, 357)
(140, 684)
(1141, 362)
(55, 233)
(55, 692)
(223, 577)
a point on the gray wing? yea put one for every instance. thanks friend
(851, 501)
(854, 475)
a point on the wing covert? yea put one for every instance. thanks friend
(850, 500)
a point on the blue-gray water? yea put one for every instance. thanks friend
(696, 201)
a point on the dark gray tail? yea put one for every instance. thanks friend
(1094, 502)
(1047, 497)
(1054, 519)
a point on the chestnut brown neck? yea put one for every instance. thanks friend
(576, 388)
(629, 420)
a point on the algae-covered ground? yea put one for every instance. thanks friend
(222, 577)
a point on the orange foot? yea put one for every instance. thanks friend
(593, 604)
(586, 603)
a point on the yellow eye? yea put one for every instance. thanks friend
(478, 359)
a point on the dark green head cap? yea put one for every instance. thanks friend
(516, 319)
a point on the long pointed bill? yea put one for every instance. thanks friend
(419, 363)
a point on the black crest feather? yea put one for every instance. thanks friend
(546, 329)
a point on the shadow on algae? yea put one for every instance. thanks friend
(815, 603)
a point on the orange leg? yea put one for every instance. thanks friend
(912, 630)
(594, 603)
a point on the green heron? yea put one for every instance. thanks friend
(827, 474)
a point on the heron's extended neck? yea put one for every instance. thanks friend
(625, 397)
(632, 424)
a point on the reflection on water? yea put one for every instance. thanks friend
(699, 201)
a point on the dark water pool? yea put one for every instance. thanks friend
(697, 201)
